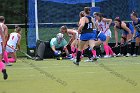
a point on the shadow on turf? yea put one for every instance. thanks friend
(116, 74)
(47, 74)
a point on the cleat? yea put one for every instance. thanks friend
(119, 55)
(134, 55)
(106, 56)
(89, 60)
(114, 55)
(76, 63)
(8, 64)
(128, 55)
(72, 59)
(5, 75)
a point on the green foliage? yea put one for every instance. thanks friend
(10, 10)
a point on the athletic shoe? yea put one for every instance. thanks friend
(114, 55)
(8, 64)
(106, 56)
(5, 75)
(134, 55)
(72, 59)
(91, 59)
(119, 55)
(75, 62)
(128, 55)
(88, 60)
(98, 57)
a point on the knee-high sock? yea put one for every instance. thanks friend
(12, 60)
(129, 48)
(82, 52)
(122, 49)
(2, 66)
(6, 56)
(110, 50)
(106, 49)
(73, 51)
(78, 56)
(136, 50)
(93, 52)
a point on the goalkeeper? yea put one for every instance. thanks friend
(58, 44)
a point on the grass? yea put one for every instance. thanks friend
(114, 75)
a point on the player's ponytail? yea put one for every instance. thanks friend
(82, 14)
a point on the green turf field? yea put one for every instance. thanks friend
(114, 75)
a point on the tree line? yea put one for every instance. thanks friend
(13, 11)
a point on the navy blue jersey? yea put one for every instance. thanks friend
(120, 27)
(88, 27)
(138, 23)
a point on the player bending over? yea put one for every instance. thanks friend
(103, 24)
(126, 35)
(73, 34)
(136, 25)
(87, 35)
(2, 65)
(12, 43)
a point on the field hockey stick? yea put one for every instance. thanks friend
(25, 54)
(126, 43)
(21, 52)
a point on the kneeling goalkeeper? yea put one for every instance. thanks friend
(58, 44)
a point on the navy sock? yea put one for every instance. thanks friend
(78, 56)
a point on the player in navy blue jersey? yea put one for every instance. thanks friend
(136, 24)
(127, 33)
(86, 26)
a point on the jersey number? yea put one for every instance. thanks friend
(89, 26)
(12, 37)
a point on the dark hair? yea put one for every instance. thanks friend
(64, 27)
(18, 29)
(81, 14)
(134, 14)
(87, 10)
(98, 14)
(16, 26)
(2, 18)
(117, 19)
